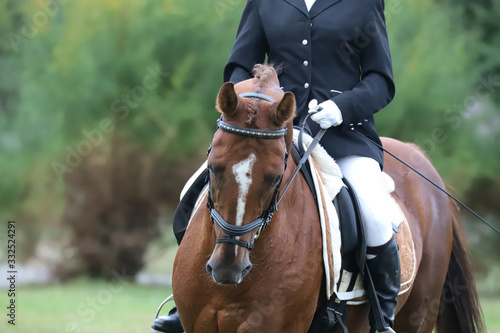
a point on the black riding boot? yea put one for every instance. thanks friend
(386, 274)
(170, 323)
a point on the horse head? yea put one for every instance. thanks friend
(246, 162)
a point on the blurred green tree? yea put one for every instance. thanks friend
(107, 107)
(443, 97)
(110, 100)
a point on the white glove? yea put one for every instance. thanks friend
(327, 114)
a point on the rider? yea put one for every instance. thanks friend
(337, 52)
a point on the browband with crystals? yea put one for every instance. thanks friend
(254, 133)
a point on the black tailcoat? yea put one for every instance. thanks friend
(338, 46)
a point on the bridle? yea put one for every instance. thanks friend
(263, 220)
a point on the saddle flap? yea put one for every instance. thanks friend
(347, 218)
(351, 226)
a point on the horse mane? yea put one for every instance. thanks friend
(262, 75)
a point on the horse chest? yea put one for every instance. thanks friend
(237, 318)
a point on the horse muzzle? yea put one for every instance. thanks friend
(228, 274)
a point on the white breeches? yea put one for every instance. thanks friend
(377, 208)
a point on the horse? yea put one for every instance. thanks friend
(237, 276)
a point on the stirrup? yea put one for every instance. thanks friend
(168, 299)
(163, 324)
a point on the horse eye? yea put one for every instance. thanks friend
(275, 180)
(214, 169)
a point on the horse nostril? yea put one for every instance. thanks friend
(209, 269)
(246, 270)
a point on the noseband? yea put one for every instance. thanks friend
(263, 220)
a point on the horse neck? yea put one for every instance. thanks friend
(294, 229)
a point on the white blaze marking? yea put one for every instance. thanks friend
(243, 174)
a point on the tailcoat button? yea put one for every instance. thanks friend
(304, 42)
(306, 63)
(306, 85)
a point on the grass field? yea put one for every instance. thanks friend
(491, 311)
(87, 306)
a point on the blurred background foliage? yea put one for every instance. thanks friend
(107, 107)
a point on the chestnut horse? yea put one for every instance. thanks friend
(221, 285)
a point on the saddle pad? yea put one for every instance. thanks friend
(327, 179)
(330, 230)
(408, 267)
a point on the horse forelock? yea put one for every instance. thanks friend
(263, 74)
(252, 109)
(264, 77)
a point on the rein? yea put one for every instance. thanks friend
(263, 220)
(304, 158)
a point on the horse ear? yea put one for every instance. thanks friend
(227, 100)
(286, 108)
